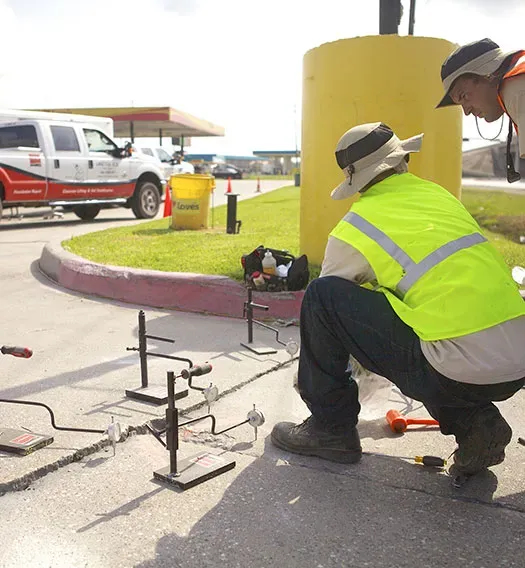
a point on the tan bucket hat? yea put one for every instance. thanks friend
(481, 57)
(365, 151)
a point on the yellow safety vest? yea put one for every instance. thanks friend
(439, 273)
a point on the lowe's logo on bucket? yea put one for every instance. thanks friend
(188, 205)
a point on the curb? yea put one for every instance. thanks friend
(182, 291)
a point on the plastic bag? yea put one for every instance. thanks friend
(374, 391)
(518, 273)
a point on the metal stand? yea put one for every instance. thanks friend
(22, 442)
(205, 465)
(256, 347)
(154, 395)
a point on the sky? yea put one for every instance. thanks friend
(236, 63)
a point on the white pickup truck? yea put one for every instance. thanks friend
(73, 163)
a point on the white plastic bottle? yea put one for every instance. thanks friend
(269, 264)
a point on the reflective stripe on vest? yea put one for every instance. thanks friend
(413, 270)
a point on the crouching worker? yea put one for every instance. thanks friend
(411, 289)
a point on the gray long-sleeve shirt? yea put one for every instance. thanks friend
(494, 355)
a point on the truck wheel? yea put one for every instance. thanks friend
(145, 202)
(86, 212)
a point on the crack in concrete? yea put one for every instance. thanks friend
(457, 497)
(23, 482)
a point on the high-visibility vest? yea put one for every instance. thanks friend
(439, 273)
(517, 69)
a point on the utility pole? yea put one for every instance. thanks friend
(390, 12)
(412, 17)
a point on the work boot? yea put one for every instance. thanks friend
(310, 439)
(484, 443)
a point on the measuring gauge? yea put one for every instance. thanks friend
(255, 418)
(292, 347)
(114, 431)
(210, 393)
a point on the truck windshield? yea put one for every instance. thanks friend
(163, 155)
(98, 141)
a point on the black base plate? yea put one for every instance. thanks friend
(259, 348)
(22, 442)
(155, 395)
(195, 469)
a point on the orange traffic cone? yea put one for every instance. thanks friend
(167, 202)
(229, 188)
(258, 190)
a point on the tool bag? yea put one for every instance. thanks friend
(298, 273)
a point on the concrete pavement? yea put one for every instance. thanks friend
(273, 509)
(80, 350)
(81, 369)
(83, 507)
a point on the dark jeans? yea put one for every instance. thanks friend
(339, 318)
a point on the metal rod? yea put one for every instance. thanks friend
(212, 208)
(412, 17)
(163, 356)
(213, 422)
(156, 434)
(272, 329)
(249, 314)
(160, 338)
(53, 423)
(190, 384)
(172, 424)
(143, 349)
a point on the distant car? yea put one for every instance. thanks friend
(167, 163)
(225, 171)
(183, 168)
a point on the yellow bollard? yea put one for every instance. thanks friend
(390, 79)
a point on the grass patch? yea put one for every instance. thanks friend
(268, 176)
(271, 219)
(502, 217)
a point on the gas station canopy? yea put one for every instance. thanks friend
(148, 122)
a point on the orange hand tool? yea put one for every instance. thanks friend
(399, 423)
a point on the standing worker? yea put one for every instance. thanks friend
(414, 292)
(487, 83)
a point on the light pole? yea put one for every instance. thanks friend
(390, 12)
